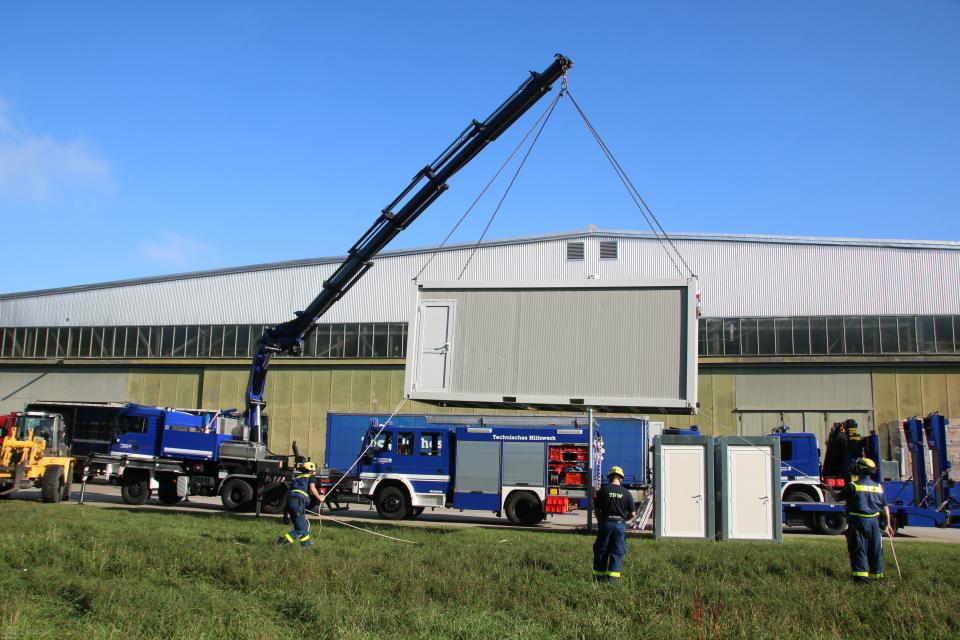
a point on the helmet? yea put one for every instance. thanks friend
(866, 464)
(615, 471)
(309, 466)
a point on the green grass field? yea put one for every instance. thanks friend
(86, 572)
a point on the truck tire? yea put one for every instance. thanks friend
(167, 489)
(237, 495)
(51, 486)
(831, 524)
(795, 495)
(524, 508)
(135, 490)
(274, 498)
(391, 503)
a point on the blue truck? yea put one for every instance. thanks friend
(523, 467)
(193, 453)
(811, 491)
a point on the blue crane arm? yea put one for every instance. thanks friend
(427, 185)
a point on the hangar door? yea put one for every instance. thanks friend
(810, 401)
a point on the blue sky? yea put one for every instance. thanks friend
(138, 140)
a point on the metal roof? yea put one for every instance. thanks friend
(746, 275)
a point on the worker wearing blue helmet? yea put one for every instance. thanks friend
(304, 485)
(867, 516)
(613, 506)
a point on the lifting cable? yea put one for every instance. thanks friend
(483, 191)
(516, 174)
(638, 200)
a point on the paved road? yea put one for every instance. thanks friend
(108, 496)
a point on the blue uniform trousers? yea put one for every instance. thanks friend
(864, 543)
(609, 549)
(296, 510)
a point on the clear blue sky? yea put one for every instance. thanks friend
(147, 140)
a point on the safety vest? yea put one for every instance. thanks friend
(865, 498)
(301, 485)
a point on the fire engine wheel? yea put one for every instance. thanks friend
(237, 495)
(167, 491)
(274, 497)
(51, 487)
(391, 503)
(831, 524)
(135, 492)
(524, 508)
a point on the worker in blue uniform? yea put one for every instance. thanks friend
(303, 486)
(867, 516)
(613, 506)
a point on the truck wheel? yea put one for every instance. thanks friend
(831, 524)
(391, 503)
(796, 495)
(51, 487)
(524, 508)
(237, 495)
(136, 490)
(274, 498)
(167, 489)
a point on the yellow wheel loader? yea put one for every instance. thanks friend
(37, 455)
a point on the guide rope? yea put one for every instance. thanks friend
(647, 213)
(347, 524)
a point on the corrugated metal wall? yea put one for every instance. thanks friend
(738, 277)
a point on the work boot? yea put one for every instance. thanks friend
(859, 580)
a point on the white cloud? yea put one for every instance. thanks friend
(175, 251)
(37, 166)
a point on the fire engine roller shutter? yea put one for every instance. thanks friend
(524, 463)
(478, 467)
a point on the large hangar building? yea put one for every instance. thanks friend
(801, 331)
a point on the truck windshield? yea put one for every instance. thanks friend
(42, 427)
(130, 424)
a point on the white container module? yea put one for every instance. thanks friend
(748, 488)
(622, 345)
(683, 504)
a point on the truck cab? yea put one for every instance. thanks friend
(148, 432)
(799, 466)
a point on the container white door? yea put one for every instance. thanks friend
(684, 491)
(436, 329)
(749, 502)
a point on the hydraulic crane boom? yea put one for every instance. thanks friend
(427, 185)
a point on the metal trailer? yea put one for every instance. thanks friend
(614, 345)
(812, 495)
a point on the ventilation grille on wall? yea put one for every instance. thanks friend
(574, 251)
(608, 250)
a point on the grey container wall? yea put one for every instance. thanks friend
(683, 500)
(748, 488)
(611, 344)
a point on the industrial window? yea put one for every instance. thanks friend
(907, 329)
(818, 336)
(702, 336)
(889, 340)
(784, 331)
(430, 444)
(801, 336)
(871, 334)
(942, 326)
(575, 251)
(767, 339)
(748, 336)
(608, 249)
(926, 342)
(835, 336)
(853, 335)
(731, 336)
(956, 333)
(714, 337)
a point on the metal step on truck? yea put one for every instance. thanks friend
(193, 453)
(812, 492)
(523, 467)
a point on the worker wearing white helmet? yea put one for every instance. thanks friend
(303, 485)
(613, 506)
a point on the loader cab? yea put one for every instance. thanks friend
(48, 426)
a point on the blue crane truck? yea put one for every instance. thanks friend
(177, 447)
(523, 467)
(811, 492)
